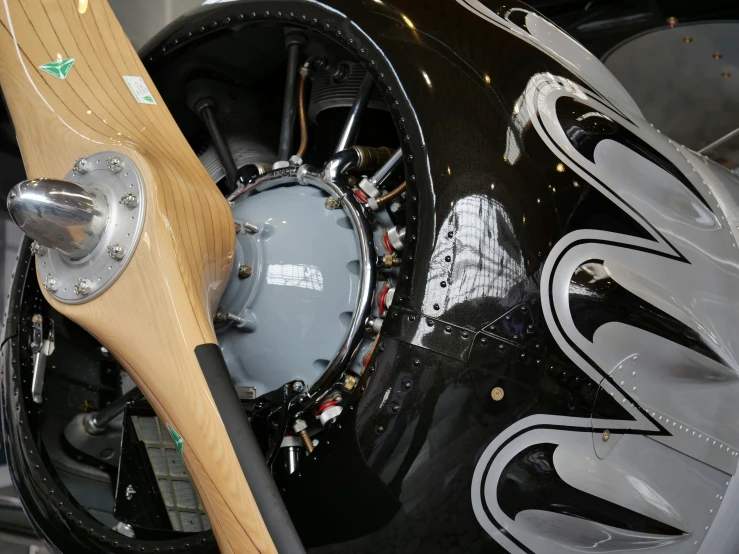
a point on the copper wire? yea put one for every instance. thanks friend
(301, 116)
(391, 195)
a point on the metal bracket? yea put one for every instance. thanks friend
(42, 346)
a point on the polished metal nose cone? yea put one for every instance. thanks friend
(59, 214)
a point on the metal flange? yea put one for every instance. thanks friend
(116, 178)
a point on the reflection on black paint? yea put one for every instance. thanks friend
(477, 255)
(586, 128)
(596, 299)
(530, 482)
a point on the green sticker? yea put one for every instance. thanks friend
(177, 439)
(59, 69)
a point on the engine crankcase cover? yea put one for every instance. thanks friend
(302, 290)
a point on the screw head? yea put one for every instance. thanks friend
(116, 251)
(129, 200)
(244, 271)
(115, 164)
(333, 203)
(298, 386)
(606, 435)
(497, 394)
(82, 287)
(82, 165)
(37, 249)
(51, 284)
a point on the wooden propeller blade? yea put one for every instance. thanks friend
(161, 307)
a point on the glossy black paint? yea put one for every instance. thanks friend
(530, 482)
(394, 473)
(596, 299)
(586, 128)
(145, 510)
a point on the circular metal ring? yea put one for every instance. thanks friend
(329, 180)
(75, 281)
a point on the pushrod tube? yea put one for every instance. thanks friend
(294, 42)
(351, 127)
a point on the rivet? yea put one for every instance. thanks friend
(448, 259)
(430, 322)
(416, 362)
(687, 39)
(501, 347)
(436, 306)
(483, 340)
(717, 55)
(406, 385)
(443, 284)
(395, 407)
(497, 394)
(380, 429)
(606, 435)
(725, 74)
(465, 334)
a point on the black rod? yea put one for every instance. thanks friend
(206, 107)
(294, 42)
(351, 127)
(108, 414)
(247, 450)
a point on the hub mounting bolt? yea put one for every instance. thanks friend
(129, 200)
(82, 287)
(51, 284)
(115, 164)
(37, 249)
(116, 251)
(82, 165)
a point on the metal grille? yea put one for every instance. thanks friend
(184, 506)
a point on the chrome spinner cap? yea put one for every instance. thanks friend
(59, 214)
